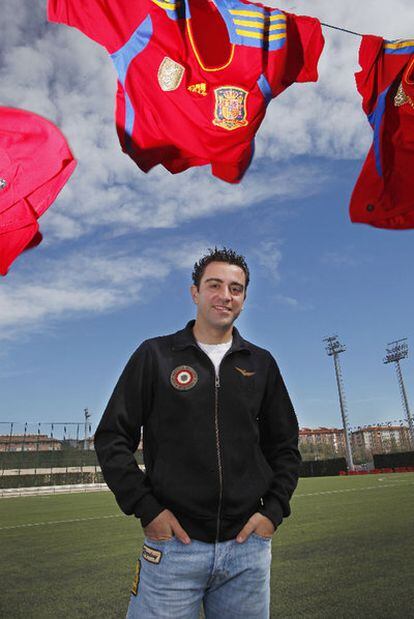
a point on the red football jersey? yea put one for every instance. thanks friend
(35, 163)
(195, 77)
(384, 193)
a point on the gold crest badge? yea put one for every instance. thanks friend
(170, 74)
(401, 97)
(230, 108)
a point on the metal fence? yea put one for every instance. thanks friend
(46, 454)
(56, 453)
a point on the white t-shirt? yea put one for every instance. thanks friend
(216, 352)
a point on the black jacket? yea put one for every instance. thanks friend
(215, 451)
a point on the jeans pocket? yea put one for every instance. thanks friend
(262, 537)
(158, 541)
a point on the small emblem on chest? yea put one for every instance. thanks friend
(230, 108)
(184, 377)
(199, 89)
(151, 554)
(170, 74)
(244, 372)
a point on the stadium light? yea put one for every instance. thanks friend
(87, 416)
(395, 352)
(334, 348)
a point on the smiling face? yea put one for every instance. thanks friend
(220, 297)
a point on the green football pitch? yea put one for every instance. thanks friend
(346, 551)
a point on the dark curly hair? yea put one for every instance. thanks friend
(219, 255)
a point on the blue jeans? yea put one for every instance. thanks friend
(232, 580)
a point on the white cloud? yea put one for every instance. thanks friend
(93, 281)
(340, 259)
(289, 301)
(269, 256)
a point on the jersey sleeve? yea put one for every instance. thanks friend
(368, 79)
(381, 62)
(296, 57)
(305, 43)
(108, 22)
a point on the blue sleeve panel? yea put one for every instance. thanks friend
(123, 58)
(265, 88)
(375, 119)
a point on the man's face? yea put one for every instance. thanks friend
(221, 294)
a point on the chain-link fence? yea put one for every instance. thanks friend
(46, 447)
(58, 453)
(36, 454)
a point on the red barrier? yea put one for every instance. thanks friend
(400, 469)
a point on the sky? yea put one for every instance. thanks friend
(114, 267)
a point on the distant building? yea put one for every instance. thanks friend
(382, 438)
(29, 442)
(317, 437)
(314, 443)
(330, 442)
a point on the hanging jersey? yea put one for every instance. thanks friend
(384, 193)
(195, 77)
(35, 163)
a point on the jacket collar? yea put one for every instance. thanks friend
(185, 338)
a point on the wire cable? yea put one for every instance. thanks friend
(358, 34)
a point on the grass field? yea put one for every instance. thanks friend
(346, 551)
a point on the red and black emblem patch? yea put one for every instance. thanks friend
(184, 377)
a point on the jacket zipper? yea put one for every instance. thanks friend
(220, 468)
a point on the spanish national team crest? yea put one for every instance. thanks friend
(170, 74)
(230, 108)
(184, 377)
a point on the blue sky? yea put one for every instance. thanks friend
(116, 261)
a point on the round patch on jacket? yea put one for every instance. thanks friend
(184, 377)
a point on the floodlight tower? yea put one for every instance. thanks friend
(395, 352)
(334, 348)
(87, 415)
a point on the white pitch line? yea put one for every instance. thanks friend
(395, 483)
(295, 496)
(40, 524)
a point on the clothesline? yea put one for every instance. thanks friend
(358, 34)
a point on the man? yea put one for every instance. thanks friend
(220, 450)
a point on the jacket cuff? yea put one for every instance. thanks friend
(148, 509)
(275, 514)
